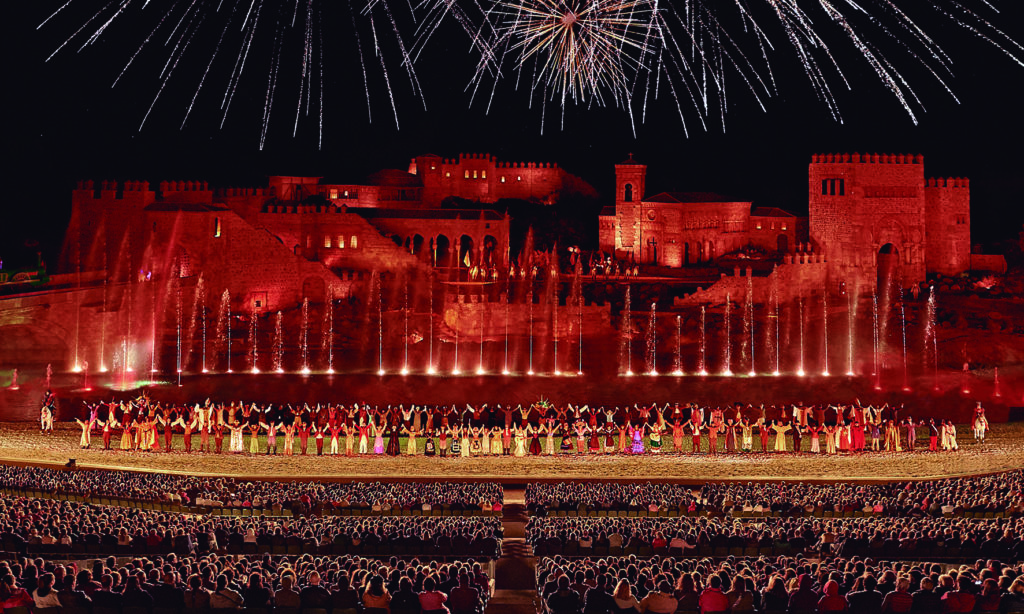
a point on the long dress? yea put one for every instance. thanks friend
(780, 437)
(410, 444)
(520, 443)
(394, 448)
(656, 441)
(638, 442)
(485, 444)
(378, 442)
(496, 444)
(535, 443)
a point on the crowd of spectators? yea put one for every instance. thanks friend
(342, 585)
(228, 492)
(883, 537)
(45, 525)
(1000, 493)
(793, 585)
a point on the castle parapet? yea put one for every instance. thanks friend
(948, 182)
(872, 158)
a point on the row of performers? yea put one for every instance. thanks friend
(580, 438)
(430, 418)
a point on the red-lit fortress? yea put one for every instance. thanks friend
(865, 211)
(297, 238)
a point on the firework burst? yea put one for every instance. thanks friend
(218, 43)
(584, 47)
(628, 53)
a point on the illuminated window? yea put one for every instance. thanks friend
(327, 241)
(346, 193)
(483, 174)
(519, 178)
(758, 226)
(334, 194)
(448, 174)
(783, 226)
(474, 174)
(466, 175)
(432, 167)
(503, 179)
(341, 242)
(309, 241)
(773, 226)
(353, 242)
(216, 227)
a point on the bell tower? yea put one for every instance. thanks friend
(630, 185)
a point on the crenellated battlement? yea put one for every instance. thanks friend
(948, 182)
(489, 158)
(241, 192)
(111, 189)
(136, 186)
(872, 158)
(184, 186)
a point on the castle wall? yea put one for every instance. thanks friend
(105, 227)
(336, 238)
(799, 274)
(483, 178)
(773, 233)
(252, 264)
(948, 226)
(869, 201)
(468, 316)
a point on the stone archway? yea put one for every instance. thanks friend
(887, 266)
(442, 247)
(490, 247)
(466, 246)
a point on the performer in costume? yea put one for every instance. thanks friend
(637, 437)
(534, 440)
(394, 447)
(497, 442)
(378, 438)
(520, 440)
(780, 435)
(303, 430)
(980, 423)
(289, 439)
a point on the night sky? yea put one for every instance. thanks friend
(66, 123)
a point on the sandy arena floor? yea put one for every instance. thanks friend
(1004, 450)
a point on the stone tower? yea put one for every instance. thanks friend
(630, 185)
(867, 216)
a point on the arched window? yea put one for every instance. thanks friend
(327, 241)
(341, 241)
(353, 242)
(628, 196)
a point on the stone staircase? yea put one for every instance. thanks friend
(515, 589)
